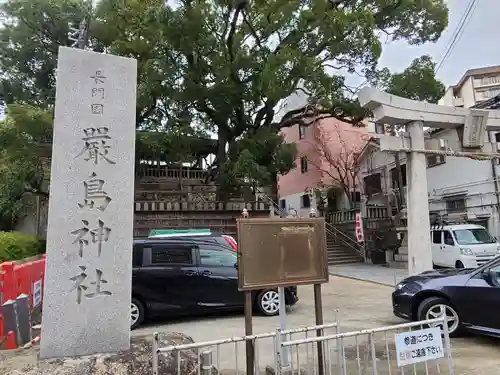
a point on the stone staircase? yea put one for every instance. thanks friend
(341, 249)
(338, 254)
(401, 258)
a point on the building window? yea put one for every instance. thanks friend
(283, 204)
(373, 184)
(497, 137)
(303, 164)
(433, 160)
(490, 80)
(305, 201)
(394, 176)
(455, 205)
(302, 131)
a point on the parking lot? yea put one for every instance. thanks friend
(360, 305)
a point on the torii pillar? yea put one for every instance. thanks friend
(394, 110)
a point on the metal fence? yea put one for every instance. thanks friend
(295, 352)
(228, 355)
(369, 351)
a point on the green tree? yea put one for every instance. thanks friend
(417, 82)
(24, 135)
(224, 65)
(237, 60)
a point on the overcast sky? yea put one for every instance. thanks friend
(477, 47)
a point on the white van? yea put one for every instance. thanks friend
(462, 246)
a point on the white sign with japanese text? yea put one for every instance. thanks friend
(359, 228)
(37, 293)
(88, 273)
(419, 346)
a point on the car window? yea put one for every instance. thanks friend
(473, 236)
(217, 258)
(137, 255)
(448, 239)
(496, 270)
(436, 237)
(171, 254)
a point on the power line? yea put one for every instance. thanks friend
(457, 34)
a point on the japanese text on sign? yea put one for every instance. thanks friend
(419, 346)
(359, 228)
(95, 149)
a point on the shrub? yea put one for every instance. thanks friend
(17, 245)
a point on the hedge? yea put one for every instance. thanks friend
(17, 245)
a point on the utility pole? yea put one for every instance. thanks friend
(80, 36)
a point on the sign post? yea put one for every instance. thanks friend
(299, 258)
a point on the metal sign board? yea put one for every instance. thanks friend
(281, 252)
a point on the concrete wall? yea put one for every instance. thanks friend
(295, 181)
(294, 201)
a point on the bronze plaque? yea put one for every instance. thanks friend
(281, 252)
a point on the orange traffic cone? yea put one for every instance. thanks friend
(10, 343)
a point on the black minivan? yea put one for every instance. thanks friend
(182, 275)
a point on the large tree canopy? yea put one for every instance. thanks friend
(220, 65)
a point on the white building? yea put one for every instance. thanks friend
(475, 86)
(456, 185)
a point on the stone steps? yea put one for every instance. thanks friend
(338, 254)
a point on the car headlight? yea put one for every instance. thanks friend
(498, 249)
(400, 286)
(465, 251)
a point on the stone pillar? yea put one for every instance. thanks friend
(419, 245)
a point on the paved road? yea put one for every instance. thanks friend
(369, 272)
(361, 305)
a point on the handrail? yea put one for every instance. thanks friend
(347, 241)
(270, 201)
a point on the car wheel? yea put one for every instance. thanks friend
(136, 313)
(268, 302)
(437, 307)
(459, 264)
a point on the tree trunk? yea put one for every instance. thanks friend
(222, 139)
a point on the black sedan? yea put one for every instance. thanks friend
(470, 298)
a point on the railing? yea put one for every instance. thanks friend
(369, 351)
(349, 215)
(229, 353)
(277, 209)
(142, 206)
(344, 239)
(342, 216)
(373, 351)
(151, 171)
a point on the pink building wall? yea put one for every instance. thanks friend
(336, 132)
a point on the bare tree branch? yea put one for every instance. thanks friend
(336, 158)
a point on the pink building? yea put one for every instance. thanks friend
(327, 153)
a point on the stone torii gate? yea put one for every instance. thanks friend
(394, 110)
